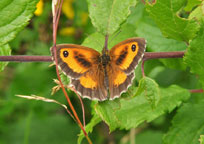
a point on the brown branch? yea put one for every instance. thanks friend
(26, 58)
(147, 55)
(157, 55)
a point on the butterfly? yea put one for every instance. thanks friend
(99, 76)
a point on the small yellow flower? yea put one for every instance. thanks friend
(39, 9)
(67, 9)
(84, 18)
(67, 31)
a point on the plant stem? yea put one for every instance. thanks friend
(147, 55)
(26, 58)
(157, 55)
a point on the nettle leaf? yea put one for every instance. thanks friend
(126, 113)
(107, 15)
(150, 89)
(89, 127)
(15, 15)
(194, 56)
(165, 14)
(4, 51)
(156, 42)
(187, 125)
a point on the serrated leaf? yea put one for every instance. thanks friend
(156, 42)
(89, 127)
(130, 112)
(150, 89)
(107, 15)
(165, 14)
(197, 13)
(14, 14)
(4, 51)
(191, 4)
(187, 125)
(194, 55)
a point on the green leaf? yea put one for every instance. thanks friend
(15, 15)
(166, 15)
(156, 42)
(37, 129)
(130, 112)
(89, 127)
(4, 51)
(194, 56)
(107, 15)
(149, 137)
(95, 41)
(201, 139)
(197, 13)
(150, 89)
(187, 125)
(191, 4)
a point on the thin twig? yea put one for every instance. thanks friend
(56, 16)
(142, 67)
(158, 55)
(82, 105)
(26, 58)
(147, 55)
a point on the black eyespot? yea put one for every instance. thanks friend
(133, 47)
(65, 53)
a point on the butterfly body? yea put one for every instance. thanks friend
(101, 76)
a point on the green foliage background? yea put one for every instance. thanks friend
(159, 107)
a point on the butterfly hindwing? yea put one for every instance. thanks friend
(119, 81)
(91, 85)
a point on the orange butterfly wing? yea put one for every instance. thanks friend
(82, 66)
(89, 78)
(124, 56)
(75, 60)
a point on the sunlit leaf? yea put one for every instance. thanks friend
(165, 14)
(107, 15)
(130, 112)
(14, 21)
(194, 56)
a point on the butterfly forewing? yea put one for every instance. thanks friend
(75, 60)
(127, 54)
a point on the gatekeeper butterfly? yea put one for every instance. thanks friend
(99, 76)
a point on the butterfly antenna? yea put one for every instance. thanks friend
(116, 34)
